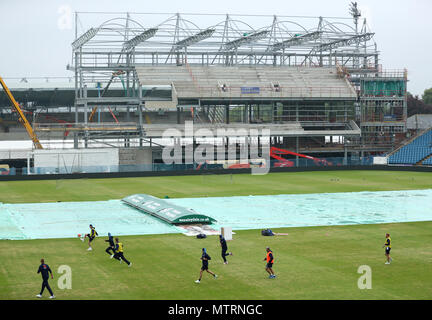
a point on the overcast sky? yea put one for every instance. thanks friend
(35, 36)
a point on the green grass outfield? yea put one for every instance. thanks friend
(210, 185)
(311, 263)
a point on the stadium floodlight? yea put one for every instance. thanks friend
(195, 38)
(355, 12)
(346, 42)
(246, 39)
(139, 38)
(295, 40)
(84, 38)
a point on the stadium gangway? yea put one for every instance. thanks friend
(113, 127)
(283, 91)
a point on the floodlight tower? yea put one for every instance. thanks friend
(356, 14)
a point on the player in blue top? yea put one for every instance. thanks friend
(111, 247)
(45, 270)
(224, 247)
(205, 259)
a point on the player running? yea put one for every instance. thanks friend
(91, 236)
(205, 259)
(270, 260)
(224, 248)
(387, 246)
(111, 246)
(45, 270)
(119, 253)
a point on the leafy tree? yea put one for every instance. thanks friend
(417, 106)
(427, 96)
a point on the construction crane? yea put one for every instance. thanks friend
(114, 74)
(21, 117)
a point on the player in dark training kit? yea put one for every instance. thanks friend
(205, 259)
(91, 236)
(224, 249)
(111, 246)
(270, 260)
(45, 270)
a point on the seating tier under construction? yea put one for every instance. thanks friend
(263, 82)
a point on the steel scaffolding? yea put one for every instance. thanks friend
(105, 55)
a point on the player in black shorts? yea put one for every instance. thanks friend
(270, 260)
(119, 253)
(205, 258)
(387, 246)
(91, 236)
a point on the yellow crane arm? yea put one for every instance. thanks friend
(22, 117)
(92, 114)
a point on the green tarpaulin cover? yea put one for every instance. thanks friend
(166, 211)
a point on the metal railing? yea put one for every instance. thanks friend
(283, 91)
(389, 73)
(106, 126)
(383, 93)
(155, 167)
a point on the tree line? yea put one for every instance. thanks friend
(417, 105)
